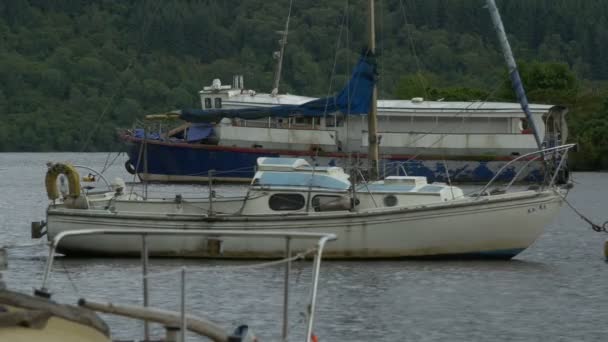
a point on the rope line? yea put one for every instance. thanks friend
(25, 245)
(72, 283)
(596, 227)
(298, 256)
(106, 165)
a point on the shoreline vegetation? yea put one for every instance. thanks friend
(73, 72)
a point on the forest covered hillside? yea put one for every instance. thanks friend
(72, 72)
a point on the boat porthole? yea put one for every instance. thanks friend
(390, 201)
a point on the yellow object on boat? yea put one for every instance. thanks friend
(89, 178)
(51, 180)
(26, 318)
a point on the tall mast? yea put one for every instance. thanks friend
(282, 42)
(372, 118)
(516, 83)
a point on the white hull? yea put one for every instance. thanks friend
(499, 225)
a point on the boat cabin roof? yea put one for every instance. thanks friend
(281, 164)
(403, 184)
(297, 172)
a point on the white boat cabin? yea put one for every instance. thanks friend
(292, 185)
(404, 126)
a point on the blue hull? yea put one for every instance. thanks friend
(191, 163)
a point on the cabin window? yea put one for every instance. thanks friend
(218, 102)
(324, 201)
(280, 202)
(390, 201)
(207, 103)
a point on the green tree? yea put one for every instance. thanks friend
(545, 82)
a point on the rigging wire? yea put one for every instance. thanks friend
(333, 68)
(70, 280)
(145, 27)
(279, 67)
(419, 67)
(106, 165)
(413, 47)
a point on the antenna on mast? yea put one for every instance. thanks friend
(279, 54)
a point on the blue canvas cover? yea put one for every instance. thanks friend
(199, 132)
(139, 133)
(354, 99)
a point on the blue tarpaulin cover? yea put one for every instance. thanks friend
(199, 132)
(139, 133)
(354, 99)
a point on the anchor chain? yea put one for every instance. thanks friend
(596, 227)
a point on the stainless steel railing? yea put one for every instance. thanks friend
(321, 240)
(560, 151)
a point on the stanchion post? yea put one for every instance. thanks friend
(144, 268)
(183, 307)
(286, 289)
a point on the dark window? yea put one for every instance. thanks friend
(390, 201)
(207, 102)
(325, 202)
(218, 102)
(286, 202)
(334, 121)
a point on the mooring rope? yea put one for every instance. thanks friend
(596, 227)
(24, 245)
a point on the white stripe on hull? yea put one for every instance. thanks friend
(506, 222)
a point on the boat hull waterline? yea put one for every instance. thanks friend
(497, 226)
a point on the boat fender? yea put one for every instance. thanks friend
(37, 229)
(129, 167)
(51, 180)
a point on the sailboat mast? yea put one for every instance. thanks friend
(516, 82)
(282, 42)
(372, 118)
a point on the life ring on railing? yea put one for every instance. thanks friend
(51, 180)
(129, 167)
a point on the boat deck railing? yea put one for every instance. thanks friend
(554, 158)
(317, 252)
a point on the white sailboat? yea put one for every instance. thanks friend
(396, 217)
(393, 218)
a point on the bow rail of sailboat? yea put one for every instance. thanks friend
(557, 153)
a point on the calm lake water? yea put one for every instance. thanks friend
(555, 291)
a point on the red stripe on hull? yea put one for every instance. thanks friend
(134, 140)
